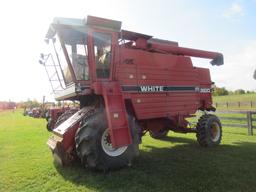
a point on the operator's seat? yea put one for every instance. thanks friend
(80, 66)
(103, 65)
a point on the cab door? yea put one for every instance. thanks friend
(103, 57)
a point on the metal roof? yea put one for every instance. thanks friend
(76, 23)
(82, 23)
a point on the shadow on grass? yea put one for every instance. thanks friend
(184, 167)
(177, 140)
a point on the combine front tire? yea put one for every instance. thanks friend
(94, 148)
(209, 130)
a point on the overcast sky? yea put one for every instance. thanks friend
(225, 26)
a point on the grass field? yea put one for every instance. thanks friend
(175, 164)
(233, 100)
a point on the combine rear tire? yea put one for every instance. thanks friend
(209, 130)
(94, 148)
(159, 134)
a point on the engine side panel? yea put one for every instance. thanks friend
(162, 85)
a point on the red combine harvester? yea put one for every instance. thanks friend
(127, 83)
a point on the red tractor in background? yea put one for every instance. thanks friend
(127, 83)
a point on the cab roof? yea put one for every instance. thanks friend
(82, 24)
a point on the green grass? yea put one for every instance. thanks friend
(233, 100)
(175, 164)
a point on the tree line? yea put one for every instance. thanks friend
(219, 91)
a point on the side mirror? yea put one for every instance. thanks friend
(42, 56)
(46, 41)
(41, 62)
(254, 75)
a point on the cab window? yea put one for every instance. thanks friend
(102, 51)
(78, 57)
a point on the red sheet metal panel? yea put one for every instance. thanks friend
(116, 115)
(152, 106)
(183, 82)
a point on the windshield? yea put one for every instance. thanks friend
(76, 46)
(62, 61)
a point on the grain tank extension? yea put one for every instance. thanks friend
(127, 84)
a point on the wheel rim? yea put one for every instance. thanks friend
(215, 132)
(107, 146)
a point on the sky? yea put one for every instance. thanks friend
(225, 26)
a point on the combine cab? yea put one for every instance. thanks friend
(127, 83)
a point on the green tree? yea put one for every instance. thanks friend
(239, 91)
(218, 91)
(31, 104)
